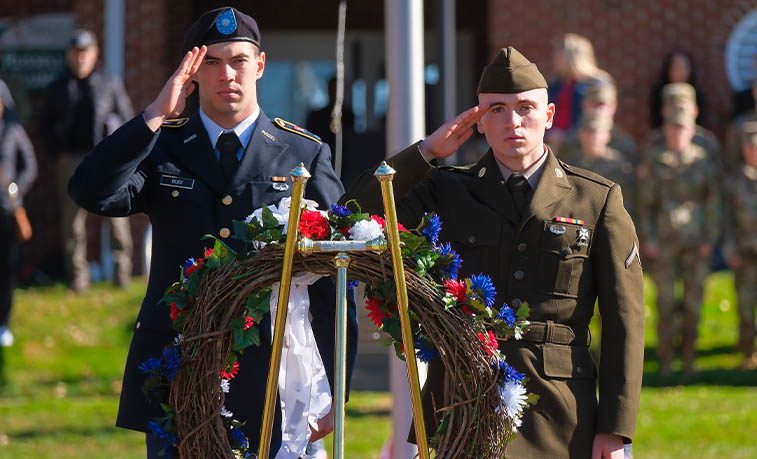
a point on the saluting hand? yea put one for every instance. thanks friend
(172, 98)
(452, 134)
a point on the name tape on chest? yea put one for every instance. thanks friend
(177, 182)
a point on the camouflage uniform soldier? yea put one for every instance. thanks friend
(682, 95)
(732, 157)
(679, 213)
(740, 248)
(597, 155)
(601, 97)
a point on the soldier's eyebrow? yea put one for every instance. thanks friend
(208, 57)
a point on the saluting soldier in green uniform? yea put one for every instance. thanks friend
(740, 248)
(680, 222)
(549, 234)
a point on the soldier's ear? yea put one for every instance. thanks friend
(550, 116)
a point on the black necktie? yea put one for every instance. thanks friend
(228, 145)
(519, 187)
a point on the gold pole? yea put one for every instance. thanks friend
(342, 261)
(385, 174)
(300, 176)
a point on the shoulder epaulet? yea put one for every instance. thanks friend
(466, 169)
(174, 123)
(291, 127)
(587, 174)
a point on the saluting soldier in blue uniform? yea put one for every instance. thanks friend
(192, 177)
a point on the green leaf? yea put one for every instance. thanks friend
(391, 325)
(222, 253)
(269, 221)
(245, 231)
(246, 338)
(398, 350)
(258, 304)
(413, 244)
(522, 312)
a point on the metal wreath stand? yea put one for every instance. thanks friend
(300, 176)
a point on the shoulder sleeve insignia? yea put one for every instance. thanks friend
(174, 123)
(291, 127)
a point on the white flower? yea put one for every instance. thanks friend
(226, 413)
(365, 230)
(225, 385)
(514, 396)
(178, 339)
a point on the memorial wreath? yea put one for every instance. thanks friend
(221, 298)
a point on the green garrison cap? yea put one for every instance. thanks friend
(674, 93)
(509, 73)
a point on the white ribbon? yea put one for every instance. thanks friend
(303, 386)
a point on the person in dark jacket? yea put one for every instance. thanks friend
(192, 177)
(18, 170)
(82, 107)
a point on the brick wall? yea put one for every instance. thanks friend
(630, 39)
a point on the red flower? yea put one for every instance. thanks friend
(466, 310)
(208, 252)
(375, 313)
(248, 322)
(379, 220)
(457, 289)
(382, 222)
(489, 341)
(231, 374)
(313, 225)
(175, 311)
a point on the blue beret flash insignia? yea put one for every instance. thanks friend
(226, 23)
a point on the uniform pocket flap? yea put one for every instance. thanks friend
(567, 361)
(471, 235)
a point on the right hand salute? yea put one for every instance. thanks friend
(172, 98)
(452, 134)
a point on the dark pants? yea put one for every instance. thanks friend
(8, 265)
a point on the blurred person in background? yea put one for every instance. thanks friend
(18, 170)
(678, 67)
(597, 155)
(81, 108)
(680, 221)
(733, 157)
(601, 97)
(573, 60)
(682, 96)
(740, 247)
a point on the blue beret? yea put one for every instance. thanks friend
(220, 25)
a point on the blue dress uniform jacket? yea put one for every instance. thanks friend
(135, 170)
(542, 261)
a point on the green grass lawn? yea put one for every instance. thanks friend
(61, 382)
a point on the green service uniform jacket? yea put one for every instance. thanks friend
(543, 262)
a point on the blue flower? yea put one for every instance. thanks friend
(150, 365)
(454, 266)
(159, 432)
(340, 211)
(352, 284)
(509, 373)
(432, 229)
(239, 436)
(507, 314)
(483, 287)
(171, 359)
(424, 350)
